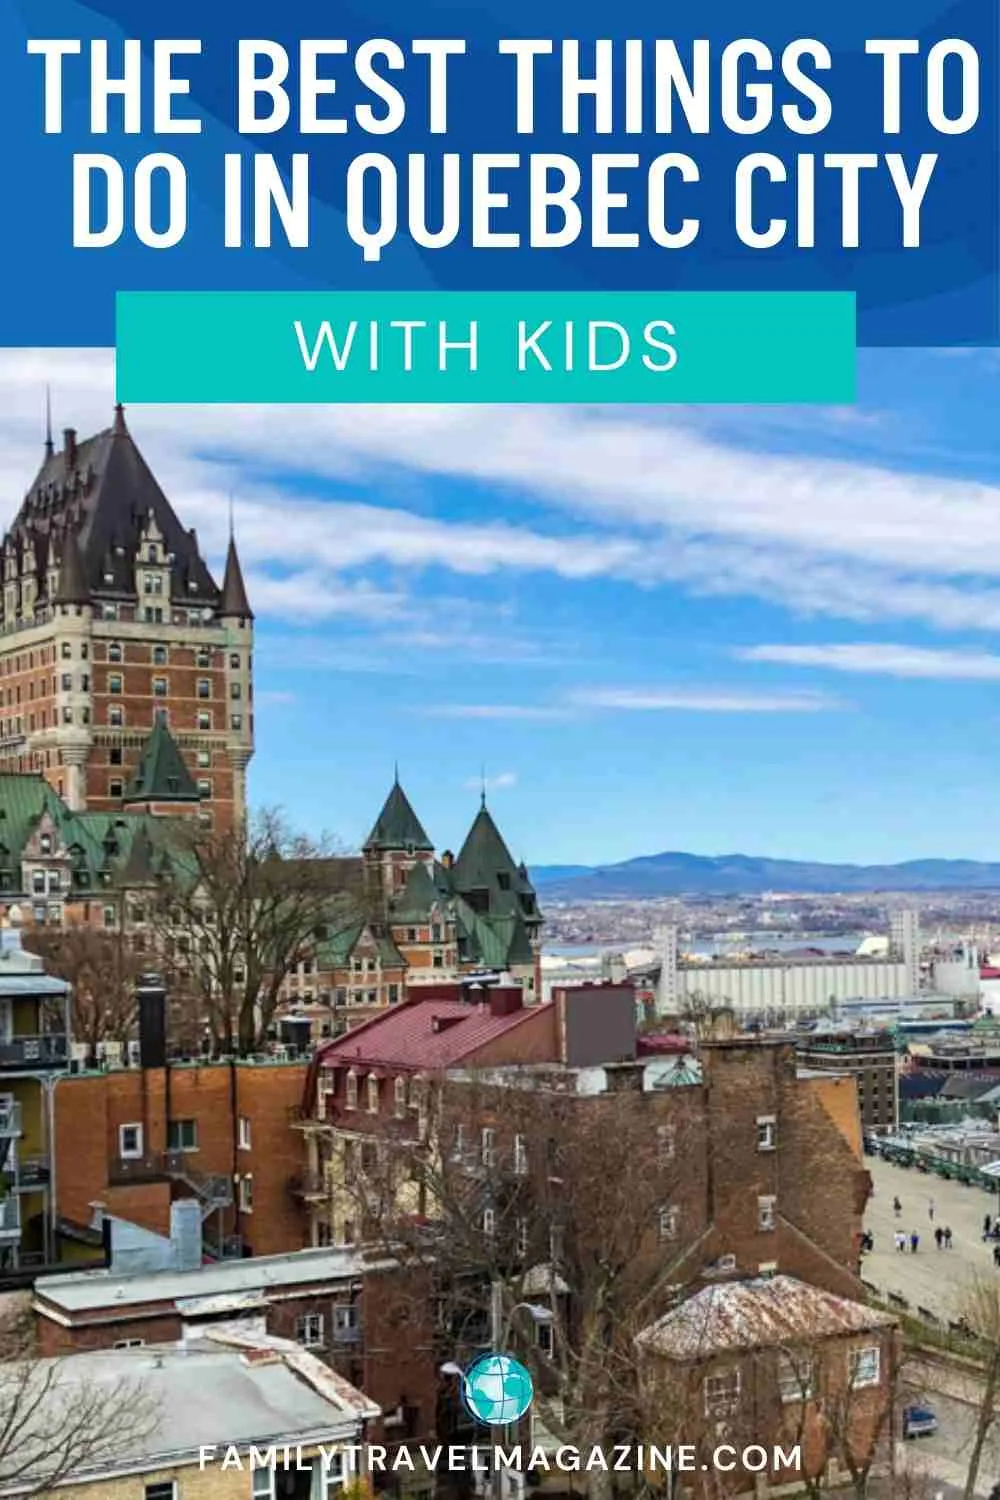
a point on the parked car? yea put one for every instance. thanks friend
(919, 1421)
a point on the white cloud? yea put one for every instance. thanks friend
(649, 498)
(878, 659)
(705, 701)
(525, 711)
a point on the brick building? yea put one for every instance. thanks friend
(358, 1314)
(109, 620)
(740, 1196)
(871, 1058)
(430, 920)
(130, 1141)
(777, 1365)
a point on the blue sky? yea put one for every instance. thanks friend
(774, 631)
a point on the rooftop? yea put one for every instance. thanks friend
(90, 1290)
(759, 1313)
(214, 1390)
(424, 1034)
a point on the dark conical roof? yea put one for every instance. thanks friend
(138, 869)
(72, 586)
(161, 775)
(234, 594)
(397, 825)
(485, 863)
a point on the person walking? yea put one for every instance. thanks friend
(939, 1236)
(897, 1207)
(914, 1242)
(930, 1209)
(900, 1240)
(947, 1238)
(996, 1255)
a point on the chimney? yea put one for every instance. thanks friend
(505, 1000)
(152, 997)
(447, 859)
(69, 448)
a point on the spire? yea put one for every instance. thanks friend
(49, 445)
(482, 791)
(235, 603)
(72, 586)
(397, 825)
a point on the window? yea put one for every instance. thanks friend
(203, 657)
(795, 1377)
(246, 1193)
(132, 1344)
(328, 1477)
(38, 882)
(372, 1094)
(130, 1141)
(159, 656)
(204, 720)
(116, 716)
(115, 788)
(520, 1156)
(234, 660)
(400, 1097)
(204, 688)
(765, 1213)
(182, 1135)
(204, 787)
(165, 1489)
(666, 1143)
(110, 917)
(115, 683)
(152, 583)
(67, 650)
(262, 1486)
(722, 1393)
(159, 687)
(667, 1223)
(865, 1367)
(235, 691)
(766, 1133)
(488, 1153)
(67, 682)
(351, 1098)
(309, 1330)
(115, 756)
(244, 1137)
(489, 1222)
(236, 721)
(204, 759)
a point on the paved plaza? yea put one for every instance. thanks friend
(931, 1278)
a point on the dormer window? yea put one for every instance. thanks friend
(351, 1090)
(45, 843)
(372, 1094)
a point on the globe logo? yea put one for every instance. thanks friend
(497, 1390)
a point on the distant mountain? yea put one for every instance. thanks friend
(675, 874)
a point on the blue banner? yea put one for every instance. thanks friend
(843, 148)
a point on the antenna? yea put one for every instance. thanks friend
(231, 528)
(482, 793)
(49, 450)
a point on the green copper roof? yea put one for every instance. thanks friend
(161, 775)
(418, 896)
(485, 864)
(397, 825)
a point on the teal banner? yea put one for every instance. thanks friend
(637, 347)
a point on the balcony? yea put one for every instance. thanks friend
(33, 1173)
(307, 1185)
(10, 1220)
(48, 1050)
(10, 1121)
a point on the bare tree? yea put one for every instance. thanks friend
(708, 1016)
(980, 1311)
(53, 1427)
(239, 910)
(102, 968)
(555, 1222)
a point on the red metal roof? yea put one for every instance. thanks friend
(405, 1038)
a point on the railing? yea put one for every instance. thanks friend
(33, 1172)
(10, 1119)
(10, 1216)
(48, 1050)
(214, 1188)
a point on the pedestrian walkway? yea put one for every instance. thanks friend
(931, 1278)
